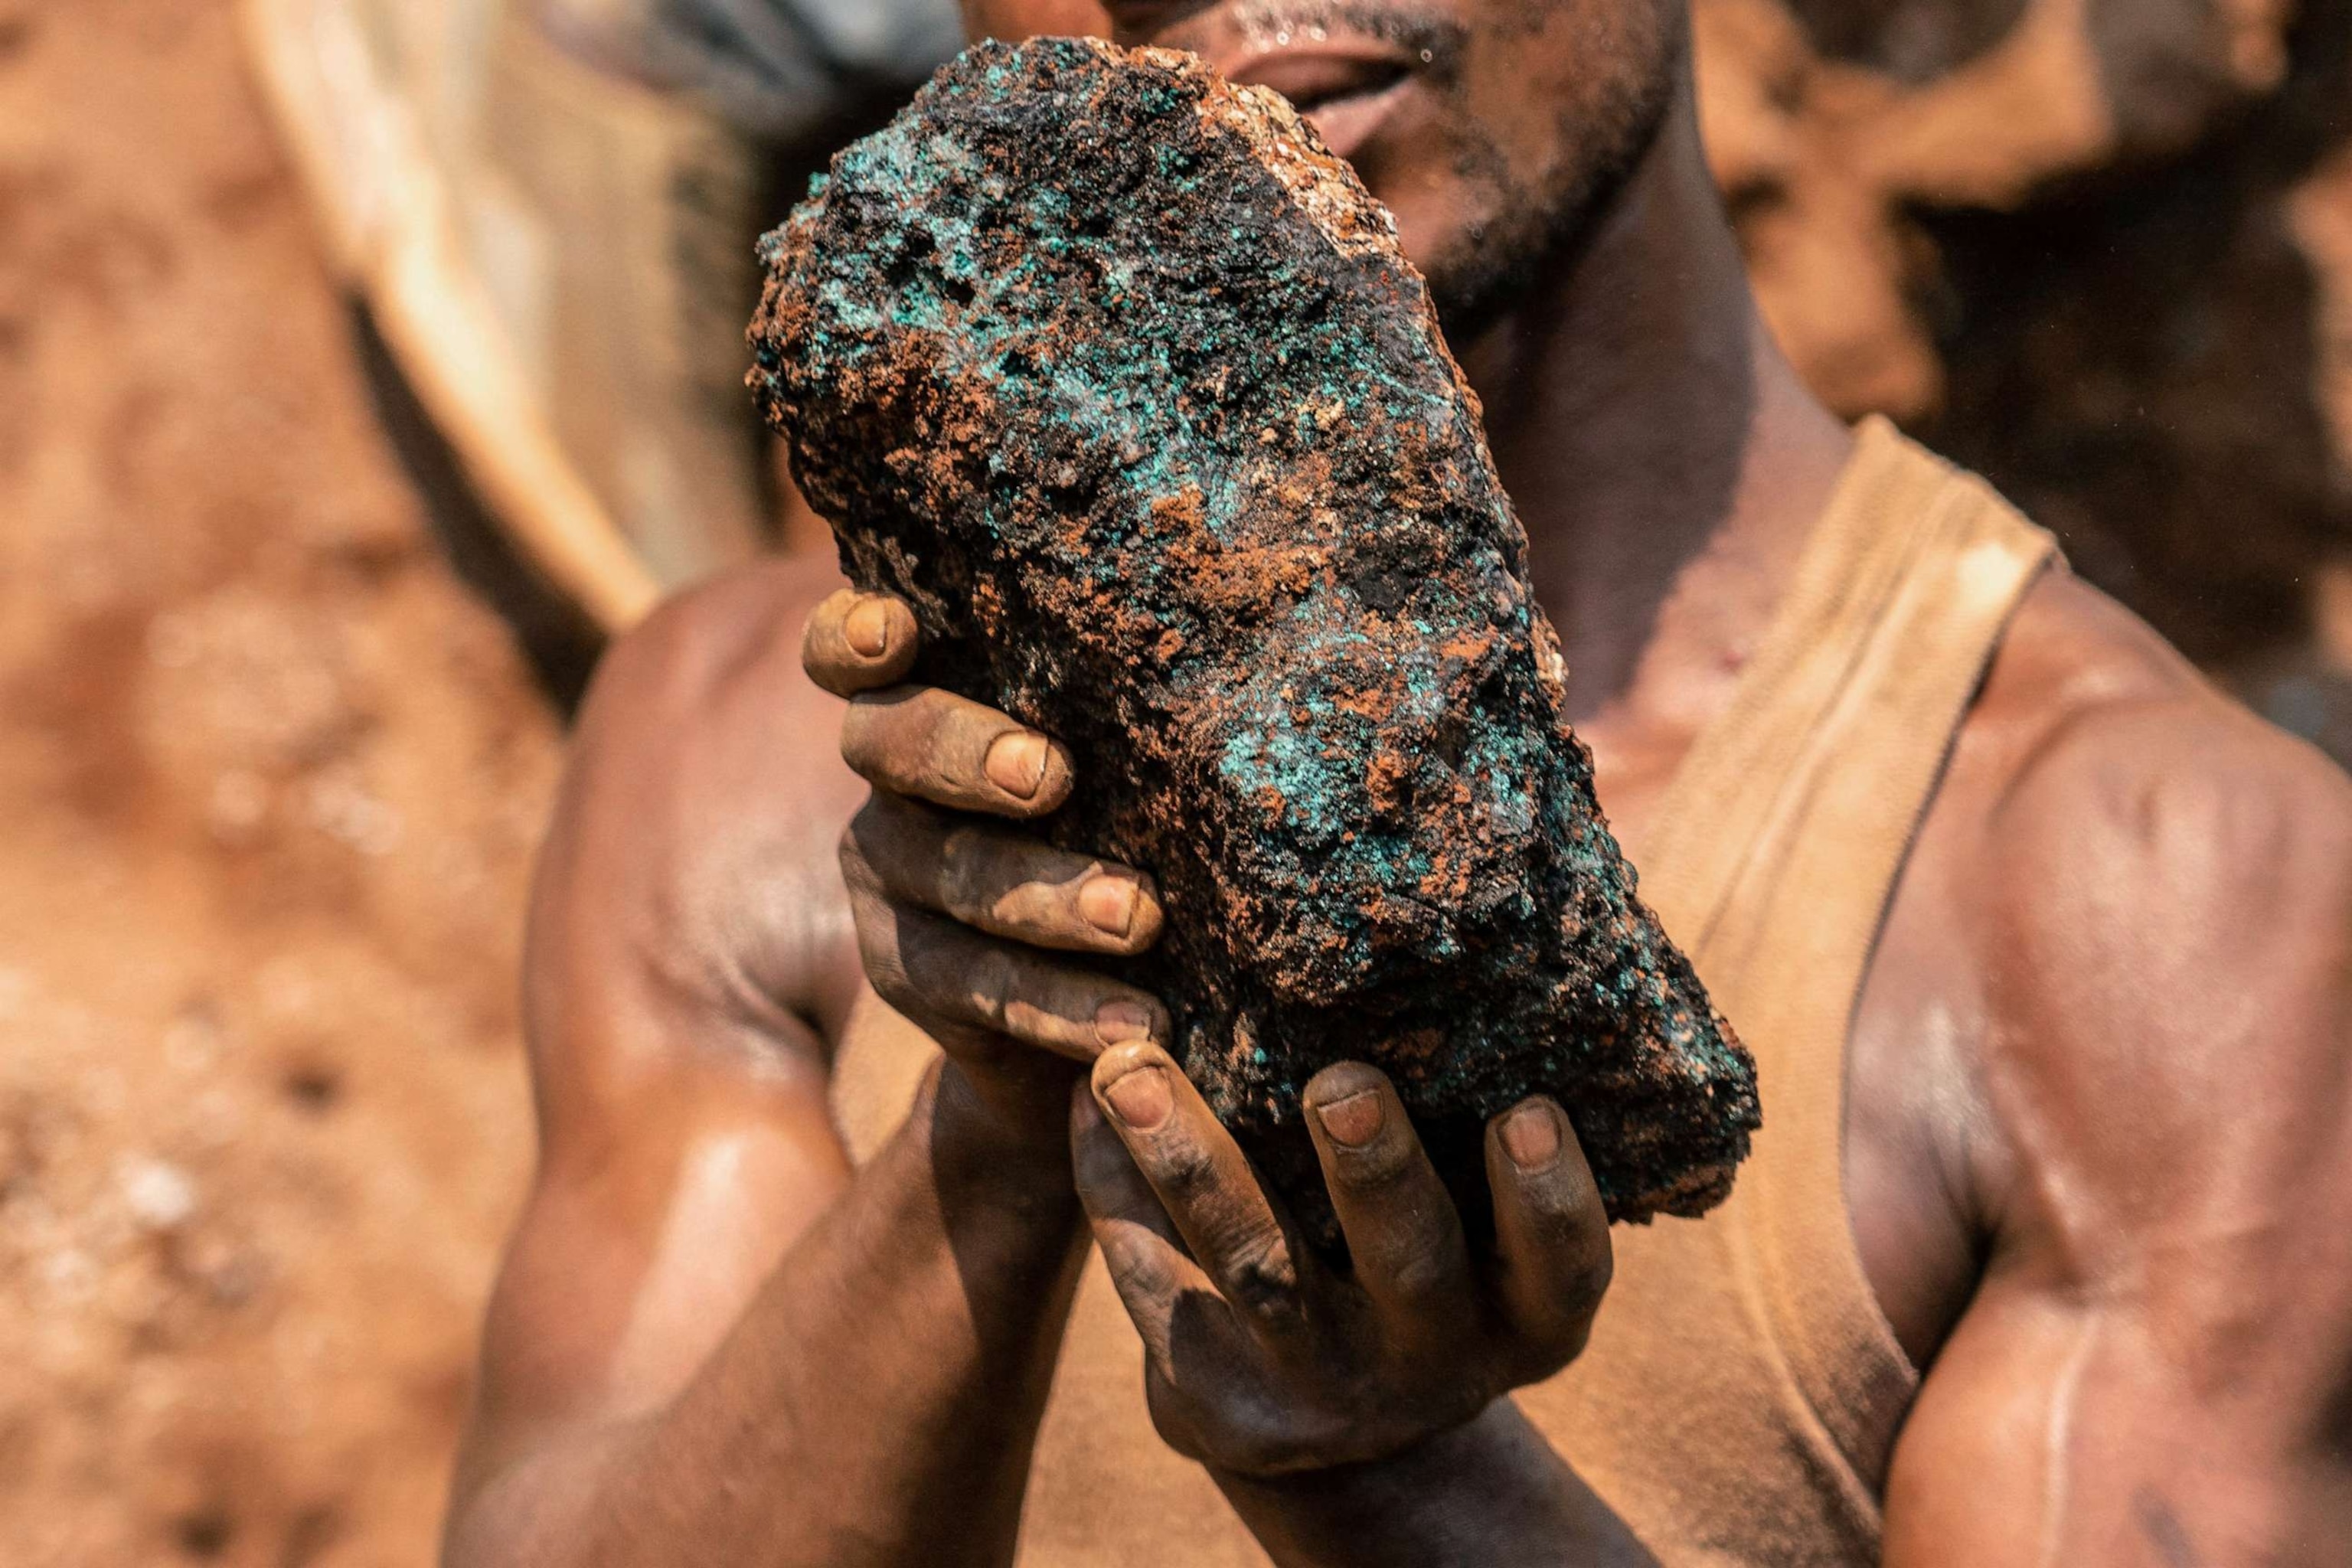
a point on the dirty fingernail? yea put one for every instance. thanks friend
(1016, 764)
(1122, 1023)
(1531, 1137)
(1140, 1099)
(1354, 1121)
(1108, 904)
(868, 628)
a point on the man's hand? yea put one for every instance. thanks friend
(961, 922)
(1263, 1360)
(1282, 1376)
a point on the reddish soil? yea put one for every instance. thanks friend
(270, 779)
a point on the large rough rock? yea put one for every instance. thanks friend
(1118, 377)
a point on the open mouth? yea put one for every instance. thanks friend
(1344, 93)
(1319, 89)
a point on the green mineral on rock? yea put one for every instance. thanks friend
(1111, 370)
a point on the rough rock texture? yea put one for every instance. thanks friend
(1120, 377)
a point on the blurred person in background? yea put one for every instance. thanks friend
(549, 207)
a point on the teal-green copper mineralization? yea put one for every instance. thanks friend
(1116, 375)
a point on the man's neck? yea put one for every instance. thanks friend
(1665, 459)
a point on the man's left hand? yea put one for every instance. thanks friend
(1262, 1358)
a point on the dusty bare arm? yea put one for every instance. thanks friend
(2157, 1368)
(712, 1343)
(1494, 1493)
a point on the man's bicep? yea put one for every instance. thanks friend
(2059, 1430)
(2157, 1365)
(661, 1207)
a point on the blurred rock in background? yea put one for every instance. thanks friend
(2102, 251)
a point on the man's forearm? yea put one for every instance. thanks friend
(876, 1404)
(1492, 1493)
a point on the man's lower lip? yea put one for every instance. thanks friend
(1346, 124)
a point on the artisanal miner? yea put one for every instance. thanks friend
(1120, 378)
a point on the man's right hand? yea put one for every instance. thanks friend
(973, 929)
(701, 1282)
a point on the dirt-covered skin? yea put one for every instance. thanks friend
(1112, 371)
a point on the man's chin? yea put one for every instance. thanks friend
(1475, 232)
(1486, 256)
(1479, 271)
(1472, 301)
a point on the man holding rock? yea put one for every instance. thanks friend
(2044, 1255)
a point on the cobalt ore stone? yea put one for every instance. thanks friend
(1120, 377)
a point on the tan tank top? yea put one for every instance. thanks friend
(1740, 1398)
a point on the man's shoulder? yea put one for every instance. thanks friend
(2161, 906)
(2113, 760)
(704, 744)
(718, 659)
(744, 623)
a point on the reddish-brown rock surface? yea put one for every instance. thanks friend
(1120, 379)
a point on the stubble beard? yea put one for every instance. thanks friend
(1530, 233)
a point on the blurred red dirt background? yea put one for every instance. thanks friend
(270, 781)
(270, 777)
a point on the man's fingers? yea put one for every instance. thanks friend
(1202, 1180)
(1550, 1230)
(953, 981)
(917, 740)
(936, 746)
(1140, 1249)
(1003, 882)
(857, 642)
(1403, 1233)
